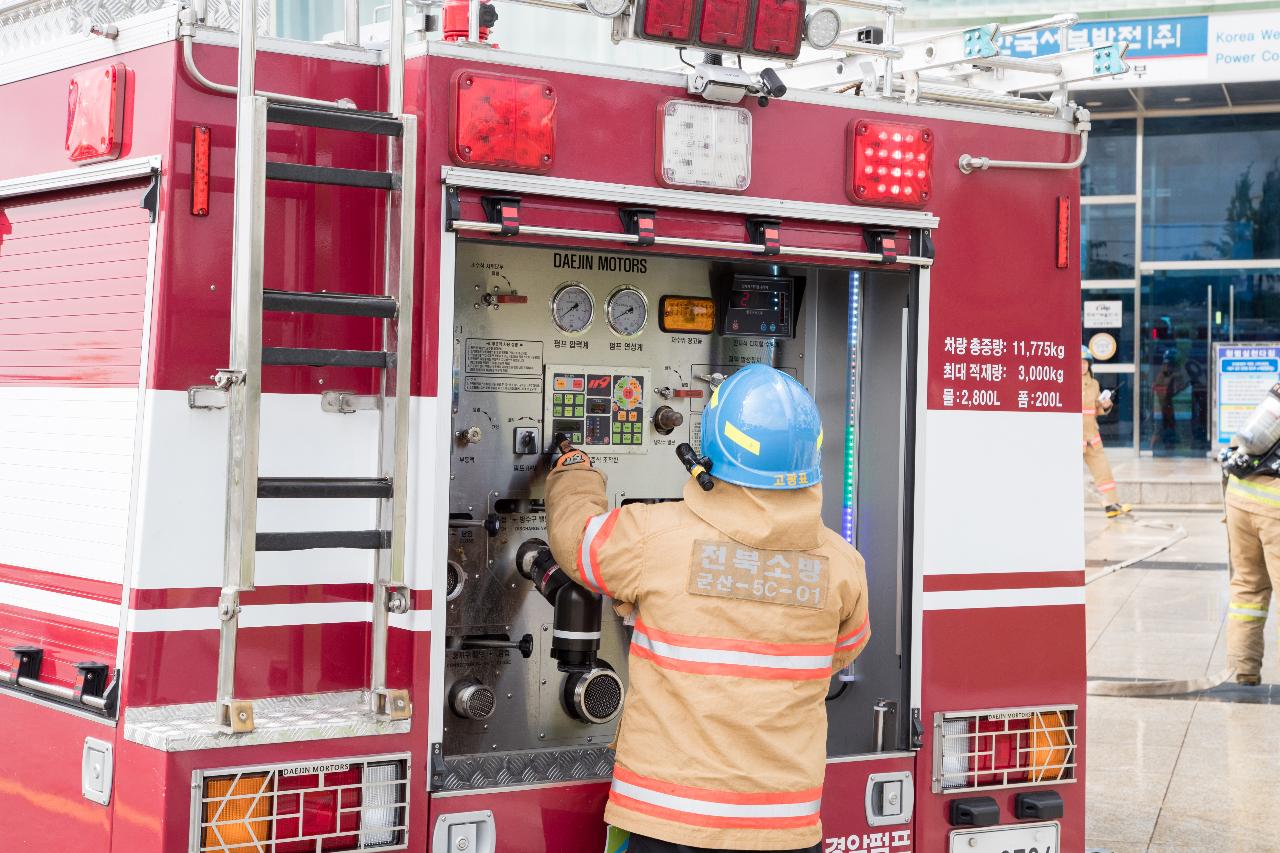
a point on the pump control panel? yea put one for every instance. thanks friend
(598, 407)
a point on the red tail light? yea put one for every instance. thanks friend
(503, 122)
(723, 23)
(978, 750)
(890, 163)
(778, 24)
(95, 113)
(666, 20)
(348, 805)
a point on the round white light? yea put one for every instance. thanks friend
(822, 28)
(607, 8)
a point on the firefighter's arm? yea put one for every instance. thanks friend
(855, 619)
(599, 548)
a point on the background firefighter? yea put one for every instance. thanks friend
(1096, 402)
(1253, 530)
(746, 604)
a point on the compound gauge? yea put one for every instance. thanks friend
(627, 310)
(572, 308)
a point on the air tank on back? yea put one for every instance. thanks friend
(1262, 430)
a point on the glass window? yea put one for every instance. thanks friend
(1211, 188)
(1110, 166)
(1106, 236)
(1109, 328)
(1183, 313)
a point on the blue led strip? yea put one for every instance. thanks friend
(851, 422)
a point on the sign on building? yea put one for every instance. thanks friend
(1244, 374)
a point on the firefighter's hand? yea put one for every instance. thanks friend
(571, 457)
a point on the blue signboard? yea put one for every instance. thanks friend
(1148, 38)
(1245, 373)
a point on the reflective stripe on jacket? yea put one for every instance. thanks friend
(722, 742)
(1258, 494)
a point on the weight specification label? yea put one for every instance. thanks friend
(996, 373)
(500, 357)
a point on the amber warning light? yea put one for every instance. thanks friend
(689, 314)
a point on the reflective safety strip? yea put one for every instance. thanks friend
(1108, 486)
(741, 439)
(1089, 411)
(598, 530)
(723, 656)
(1255, 491)
(1246, 611)
(707, 807)
(856, 637)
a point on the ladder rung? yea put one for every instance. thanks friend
(366, 540)
(302, 357)
(347, 304)
(356, 121)
(324, 487)
(305, 174)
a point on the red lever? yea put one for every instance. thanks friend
(513, 298)
(694, 393)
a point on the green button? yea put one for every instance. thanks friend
(578, 412)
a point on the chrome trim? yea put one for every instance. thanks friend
(689, 243)
(969, 163)
(57, 691)
(480, 179)
(98, 173)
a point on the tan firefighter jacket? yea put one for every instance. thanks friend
(745, 603)
(1091, 407)
(1259, 494)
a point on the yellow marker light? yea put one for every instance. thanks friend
(689, 314)
(237, 812)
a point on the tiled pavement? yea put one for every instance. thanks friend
(1180, 774)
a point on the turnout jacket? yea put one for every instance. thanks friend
(745, 604)
(1091, 407)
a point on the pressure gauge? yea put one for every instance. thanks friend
(572, 308)
(628, 311)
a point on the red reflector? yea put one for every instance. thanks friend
(95, 113)
(666, 20)
(1005, 748)
(200, 171)
(777, 27)
(890, 163)
(1064, 232)
(723, 23)
(503, 122)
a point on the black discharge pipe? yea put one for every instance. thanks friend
(592, 691)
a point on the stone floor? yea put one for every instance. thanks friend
(1163, 481)
(1199, 773)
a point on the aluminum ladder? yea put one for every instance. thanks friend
(243, 379)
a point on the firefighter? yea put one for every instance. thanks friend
(1093, 403)
(745, 605)
(1252, 467)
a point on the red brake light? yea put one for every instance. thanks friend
(723, 23)
(890, 163)
(778, 25)
(95, 113)
(666, 20)
(503, 122)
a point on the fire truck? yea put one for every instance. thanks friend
(288, 329)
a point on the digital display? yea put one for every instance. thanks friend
(759, 306)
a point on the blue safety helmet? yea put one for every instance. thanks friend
(1085, 353)
(762, 430)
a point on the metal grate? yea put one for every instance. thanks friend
(346, 804)
(978, 750)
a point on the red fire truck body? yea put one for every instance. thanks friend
(115, 310)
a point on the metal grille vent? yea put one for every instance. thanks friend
(473, 700)
(1004, 748)
(453, 581)
(599, 695)
(346, 804)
